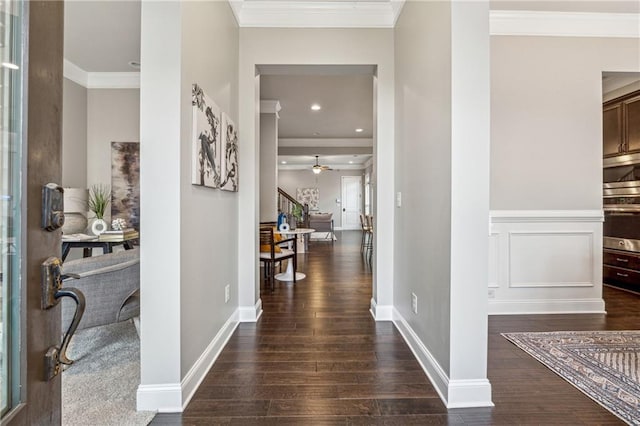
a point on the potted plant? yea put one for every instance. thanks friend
(296, 212)
(99, 198)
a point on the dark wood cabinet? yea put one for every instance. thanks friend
(612, 130)
(621, 269)
(621, 125)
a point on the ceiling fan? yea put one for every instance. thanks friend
(317, 168)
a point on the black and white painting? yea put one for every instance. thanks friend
(125, 183)
(229, 162)
(207, 139)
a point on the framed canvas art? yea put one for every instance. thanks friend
(207, 140)
(229, 162)
(125, 182)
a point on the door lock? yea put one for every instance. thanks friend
(52, 292)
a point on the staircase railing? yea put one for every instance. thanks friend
(286, 205)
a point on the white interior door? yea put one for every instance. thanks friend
(351, 201)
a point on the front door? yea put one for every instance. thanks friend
(351, 201)
(31, 46)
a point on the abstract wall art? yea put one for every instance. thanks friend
(229, 161)
(207, 139)
(125, 182)
(310, 196)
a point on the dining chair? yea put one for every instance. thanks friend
(271, 252)
(370, 229)
(365, 233)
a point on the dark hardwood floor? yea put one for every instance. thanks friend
(316, 357)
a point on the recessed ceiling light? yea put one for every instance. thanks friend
(10, 65)
(316, 107)
(350, 162)
(283, 162)
(359, 130)
(134, 64)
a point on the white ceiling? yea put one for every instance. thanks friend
(102, 36)
(346, 101)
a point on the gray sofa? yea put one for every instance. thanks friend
(111, 287)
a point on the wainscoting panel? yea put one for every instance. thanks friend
(551, 259)
(545, 262)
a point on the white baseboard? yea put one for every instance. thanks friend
(201, 367)
(454, 393)
(250, 314)
(381, 312)
(163, 398)
(469, 393)
(173, 397)
(552, 306)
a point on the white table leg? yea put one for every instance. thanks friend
(288, 274)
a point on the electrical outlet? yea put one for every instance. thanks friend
(492, 293)
(226, 293)
(414, 303)
(398, 199)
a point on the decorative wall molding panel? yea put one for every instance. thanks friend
(545, 261)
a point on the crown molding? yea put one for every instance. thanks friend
(101, 80)
(270, 107)
(316, 14)
(564, 24)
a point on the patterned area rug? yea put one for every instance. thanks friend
(604, 365)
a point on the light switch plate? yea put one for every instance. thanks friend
(398, 199)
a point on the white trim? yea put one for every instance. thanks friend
(316, 14)
(270, 107)
(564, 24)
(325, 142)
(469, 393)
(382, 312)
(250, 314)
(201, 367)
(546, 306)
(163, 398)
(113, 80)
(100, 80)
(174, 397)
(545, 216)
(550, 284)
(454, 393)
(74, 73)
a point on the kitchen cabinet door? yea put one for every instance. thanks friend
(631, 115)
(612, 130)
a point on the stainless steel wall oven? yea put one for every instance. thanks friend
(621, 231)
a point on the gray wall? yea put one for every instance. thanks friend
(208, 217)
(74, 135)
(113, 115)
(328, 183)
(423, 171)
(546, 119)
(268, 167)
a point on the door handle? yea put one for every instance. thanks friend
(52, 292)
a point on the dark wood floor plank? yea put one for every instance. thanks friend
(316, 357)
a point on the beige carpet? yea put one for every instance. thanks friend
(604, 365)
(99, 388)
